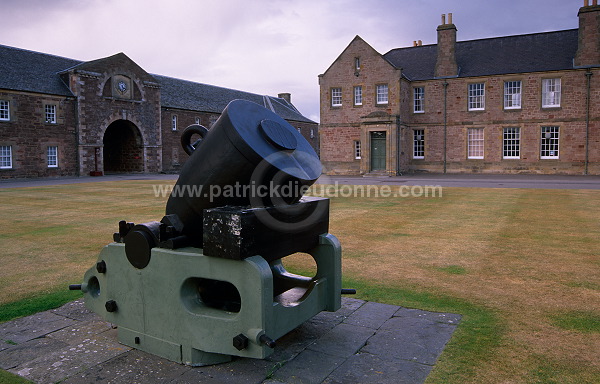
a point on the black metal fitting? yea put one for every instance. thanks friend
(111, 306)
(348, 291)
(266, 340)
(75, 287)
(240, 342)
(101, 266)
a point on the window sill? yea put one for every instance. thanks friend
(475, 158)
(551, 107)
(549, 158)
(419, 158)
(476, 110)
(513, 109)
(511, 158)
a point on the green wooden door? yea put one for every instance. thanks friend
(377, 151)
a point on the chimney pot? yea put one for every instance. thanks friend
(595, 2)
(450, 18)
(414, 43)
(586, 3)
(420, 43)
(443, 19)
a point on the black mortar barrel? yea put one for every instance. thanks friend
(246, 159)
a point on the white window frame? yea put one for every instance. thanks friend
(511, 143)
(336, 97)
(550, 142)
(4, 110)
(475, 143)
(358, 95)
(551, 93)
(312, 133)
(173, 122)
(512, 94)
(6, 157)
(419, 144)
(50, 113)
(357, 63)
(476, 97)
(197, 120)
(357, 150)
(52, 156)
(382, 94)
(419, 100)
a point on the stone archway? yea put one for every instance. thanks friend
(123, 148)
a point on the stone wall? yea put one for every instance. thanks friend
(29, 135)
(340, 126)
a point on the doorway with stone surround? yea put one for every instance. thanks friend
(123, 148)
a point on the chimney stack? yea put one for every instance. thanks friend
(588, 46)
(286, 96)
(445, 65)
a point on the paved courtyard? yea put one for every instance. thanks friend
(363, 342)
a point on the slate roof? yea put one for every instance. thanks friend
(537, 52)
(182, 94)
(23, 70)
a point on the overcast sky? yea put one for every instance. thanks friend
(259, 46)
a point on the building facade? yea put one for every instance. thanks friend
(513, 104)
(63, 117)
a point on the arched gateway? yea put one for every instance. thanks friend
(123, 148)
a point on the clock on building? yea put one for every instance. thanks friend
(121, 87)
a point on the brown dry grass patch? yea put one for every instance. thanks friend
(526, 255)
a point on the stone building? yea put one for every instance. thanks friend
(512, 104)
(64, 117)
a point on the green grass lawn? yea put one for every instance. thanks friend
(521, 265)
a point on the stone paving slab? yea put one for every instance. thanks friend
(32, 327)
(371, 315)
(363, 342)
(4, 345)
(49, 368)
(365, 368)
(30, 350)
(344, 340)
